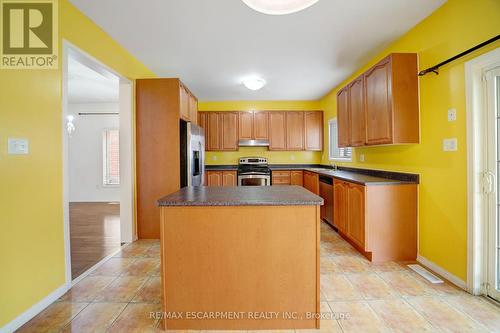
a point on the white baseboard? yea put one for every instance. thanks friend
(442, 272)
(34, 310)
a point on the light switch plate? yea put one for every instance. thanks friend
(450, 144)
(452, 114)
(18, 146)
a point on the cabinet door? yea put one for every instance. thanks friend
(261, 125)
(297, 177)
(245, 123)
(313, 130)
(343, 118)
(214, 178)
(356, 214)
(202, 121)
(277, 130)
(378, 104)
(229, 130)
(183, 103)
(193, 109)
(281, 177)
(357, 112)
(339, 205)
(213, 135)
(295, 130)
(311, 182)
(229, 178)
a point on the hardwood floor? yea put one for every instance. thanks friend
(94, 233)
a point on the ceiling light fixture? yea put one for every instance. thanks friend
(279, 7)
(254, 83)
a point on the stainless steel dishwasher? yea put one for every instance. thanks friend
(326, 192)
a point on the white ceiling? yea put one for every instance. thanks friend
(213, 44)
(86, 85)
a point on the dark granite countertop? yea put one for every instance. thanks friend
(241, 196)
(357, 178)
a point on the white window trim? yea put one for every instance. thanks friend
(103, 164)
(330, 157)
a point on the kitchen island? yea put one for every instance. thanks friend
(240, 258)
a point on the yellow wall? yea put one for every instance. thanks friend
(275, 157)
(31, 218)
(453, 28)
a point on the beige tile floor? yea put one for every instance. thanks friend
(358, 295)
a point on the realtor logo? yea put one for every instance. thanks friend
(29, 34)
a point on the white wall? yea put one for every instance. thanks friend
(85, 153)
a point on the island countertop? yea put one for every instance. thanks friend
(241, 196)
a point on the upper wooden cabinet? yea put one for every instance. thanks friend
(285, 130)
(229, 130)
(221, 130)
(357, 113)
(188, 104)
(313, 126)
(253, 125)
(277, 130)
(294, 130)
(344, 138)
(386, 96)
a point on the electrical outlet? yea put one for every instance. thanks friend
(292, 157)
(18, 146)
(452, 114)
(450, 144)
(214, 158)
(361, 157)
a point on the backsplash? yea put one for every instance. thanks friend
(274, 157)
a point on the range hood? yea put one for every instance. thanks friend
(253, 143)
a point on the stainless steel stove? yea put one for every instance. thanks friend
(254, 171)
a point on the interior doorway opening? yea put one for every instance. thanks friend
(97, 162)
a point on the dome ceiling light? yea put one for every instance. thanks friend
(254, 83)
(279, 7)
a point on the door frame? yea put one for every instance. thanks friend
(477, 201)
(128, 232)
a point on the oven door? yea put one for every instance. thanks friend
(254, 180)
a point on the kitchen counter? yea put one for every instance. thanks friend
(241, 196)
(357, 178)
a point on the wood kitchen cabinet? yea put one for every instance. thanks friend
(221, 130)
(344, 136)
(295, 130)
(229, 178)
(386, 97)
(313, 130)
(229, 130)
(221, 178)
(357, 124)
(253, 125)
(356, 214)
(378, 220)
(160, 103)
(311, 181)
(340, 205)
(297, 177)
(277, 130)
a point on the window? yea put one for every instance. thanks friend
(111, 157)
(334, 152)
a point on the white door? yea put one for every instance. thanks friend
(492, 95)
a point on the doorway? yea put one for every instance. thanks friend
(483, 141)
(97, 162)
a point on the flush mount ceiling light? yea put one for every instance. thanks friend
(254, 83)
(279, 7)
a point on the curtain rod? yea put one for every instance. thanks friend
(434, 69)
(97, 113)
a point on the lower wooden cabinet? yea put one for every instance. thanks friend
(221, 178)
(311, 181)
(379, 220)
(287, 177)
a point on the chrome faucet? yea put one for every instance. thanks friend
(334, 166)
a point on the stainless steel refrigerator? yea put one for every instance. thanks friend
(192, 154)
